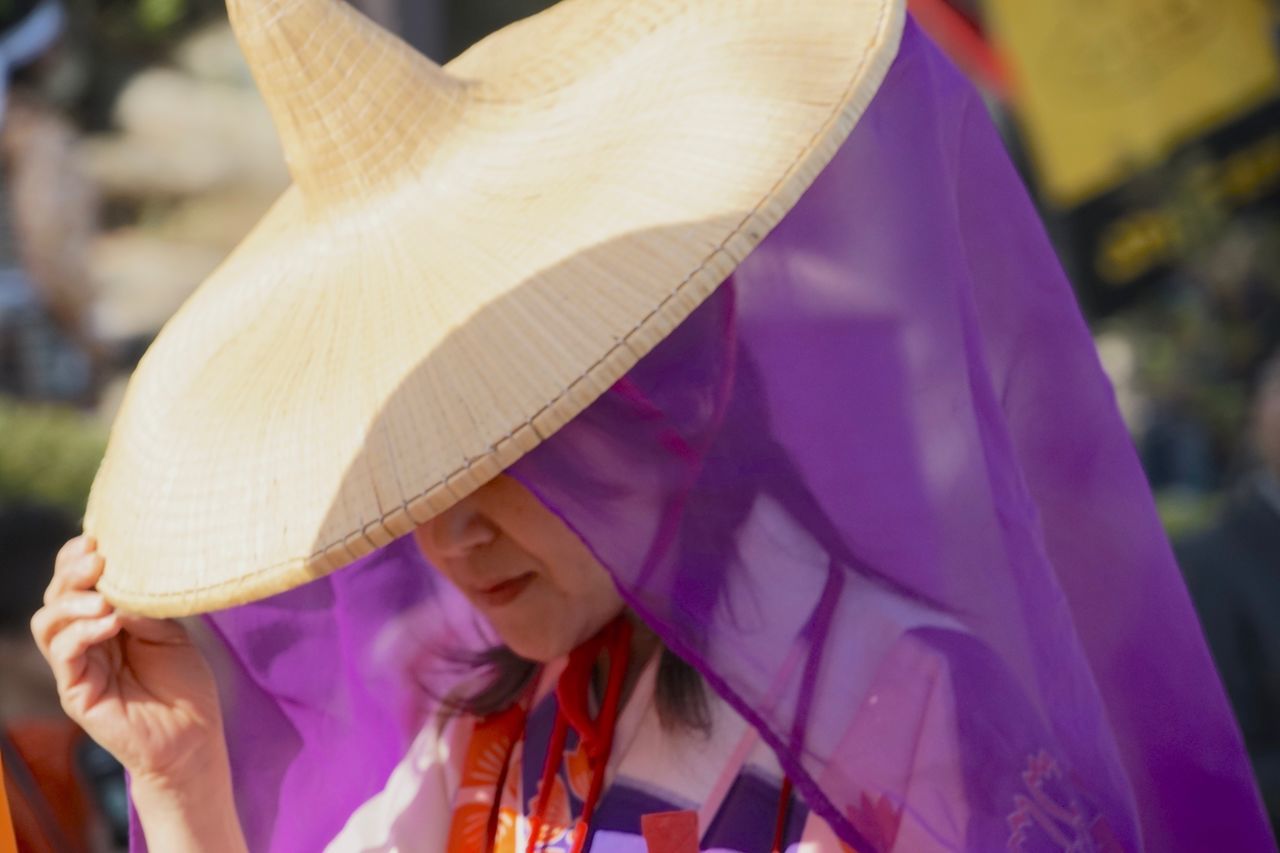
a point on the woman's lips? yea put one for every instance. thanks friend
(505, 592)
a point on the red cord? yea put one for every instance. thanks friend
(555, 748)
(784, 809)
(619, 660)
(573, 701)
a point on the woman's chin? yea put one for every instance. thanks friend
(541, 624)
(532, 630)
(542, 647)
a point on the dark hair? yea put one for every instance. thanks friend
(679, 693)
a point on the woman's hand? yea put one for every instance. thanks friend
(137, 686)
(142, 690)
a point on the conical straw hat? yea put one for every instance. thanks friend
(468, 257)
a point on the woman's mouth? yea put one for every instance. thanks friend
(505, 592)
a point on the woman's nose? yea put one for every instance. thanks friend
(459, 529)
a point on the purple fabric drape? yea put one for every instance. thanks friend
(877, 491)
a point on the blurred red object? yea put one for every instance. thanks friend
(8, 843)
(964, 43)
(48, 805)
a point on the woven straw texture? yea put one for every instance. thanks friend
(468, 257)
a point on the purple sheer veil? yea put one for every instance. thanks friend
(877, 491)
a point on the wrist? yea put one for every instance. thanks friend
(202, 773)
(190, 810)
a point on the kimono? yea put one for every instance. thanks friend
(919, 664)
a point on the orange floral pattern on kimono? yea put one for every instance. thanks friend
(493, 746)
(495, 742)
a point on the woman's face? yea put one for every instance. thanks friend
(532, 578)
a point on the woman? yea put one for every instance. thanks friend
(569, 465)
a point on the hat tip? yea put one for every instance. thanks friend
(352, 103)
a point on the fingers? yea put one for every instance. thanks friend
(68, 648)
(74, 548)
(62, 611)
(74, 618)
(78, 567)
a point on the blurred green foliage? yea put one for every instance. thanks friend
(48, 454)
(160, 15)
(1185, 513)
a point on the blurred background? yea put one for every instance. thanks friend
(135, 153)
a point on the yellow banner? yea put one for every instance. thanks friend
(1105, 88)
